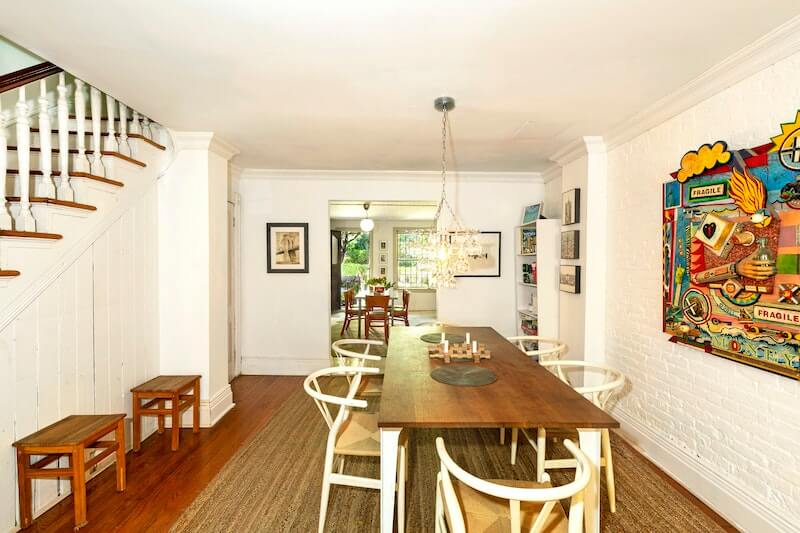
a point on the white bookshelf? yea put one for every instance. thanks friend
(537, 300)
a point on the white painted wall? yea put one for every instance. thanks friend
(727, 431)
(82, 344)
(13, 57)
(284, 322)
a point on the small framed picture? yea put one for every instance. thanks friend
(287, 248)
(383, 246)
(532, 213)
(383, 271)
(382, 259)
(571, 207)
(569, 279)
(570, 244)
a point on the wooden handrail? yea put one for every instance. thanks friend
(27, 75)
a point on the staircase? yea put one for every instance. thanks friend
(72, 159)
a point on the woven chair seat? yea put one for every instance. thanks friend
(359, 436)
(486, 514)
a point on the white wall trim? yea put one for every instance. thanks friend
(213, 409)
(387, 175)
(203, 140)
(277, 366)
(732, 502)
(776, 45)
(551, 173)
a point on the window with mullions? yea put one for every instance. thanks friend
(408, 272)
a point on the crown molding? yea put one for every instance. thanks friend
(203, 140)
(552, 172)
(387, 175)
(591, 144)
(776, 45)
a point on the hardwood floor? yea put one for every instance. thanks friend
(162, 483)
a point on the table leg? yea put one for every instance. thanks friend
(590, 444)
(24, 482)
(162, 404)
(79, 486)
(120, 436)
(359, 317)
(196, 406)
(137, 423)
(389, 453)
(176, 421)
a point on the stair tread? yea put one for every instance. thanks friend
(29, 234)
(9, 273)
(54, 201)
(137, 136)
(75, 151)
(73, 174)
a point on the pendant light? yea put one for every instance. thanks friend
(366, 224)
(444, 251)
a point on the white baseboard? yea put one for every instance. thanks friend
(274, 366)
(739, 507)
(211, 410)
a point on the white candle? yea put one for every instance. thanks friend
(474, 346)
(443, 336)
(467, 337)
(446, 346)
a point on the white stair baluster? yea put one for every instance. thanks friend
(97, 110)
(81, 162)
(124, 146)
(5, 217)
(44, 184)
(24, 220)
(111, 139)
(136, 128)
(146, 131)
(64, 190)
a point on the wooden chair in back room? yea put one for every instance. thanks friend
(350, 310)
(401, 313)
(377, 313)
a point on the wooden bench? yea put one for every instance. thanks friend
(70, 438)
(157, 392)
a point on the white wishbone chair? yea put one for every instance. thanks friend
(352, 433)
(599, 394)
(346, 354)
(556, 348)
(470, 504)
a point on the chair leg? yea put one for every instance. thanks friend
(326, 489)
(611, 489)
(161, 405)
(437, 513)
(176, 422)
(502, 436)
(514, 438)
(345, 324)
(541, 438)
(341, 465)
(406, 320)
(386, 330)
(119, 435)
(24, 484)
(366, 328)
(401, 490)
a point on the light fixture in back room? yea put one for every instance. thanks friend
(366, 223)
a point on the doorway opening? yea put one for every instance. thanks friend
(378, 261)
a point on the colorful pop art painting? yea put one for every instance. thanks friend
(731, 229)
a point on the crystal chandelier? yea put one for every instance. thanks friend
(443, 252)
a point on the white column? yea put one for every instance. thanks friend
(5, 217)
(81, 161)
(44, 184)
(136, 127)
(24, 218)
(111, 139)
(97, 111)
(64, 190)
(123, 130)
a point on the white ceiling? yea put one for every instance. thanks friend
(349, 84)
(349, 210)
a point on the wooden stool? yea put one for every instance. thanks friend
(159, 390)
(69, 437)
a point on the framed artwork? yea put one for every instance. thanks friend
(730, 225)
(486, 264)
(383, 245)
(569, 279)
(382, 259)
(383, 271)
(287, 248)
(571, 207)
(570, 244)
(532, 213)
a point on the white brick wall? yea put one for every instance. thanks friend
(729, 432)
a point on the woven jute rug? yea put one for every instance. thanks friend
(273, 482)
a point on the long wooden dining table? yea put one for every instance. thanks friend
(525, 395)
